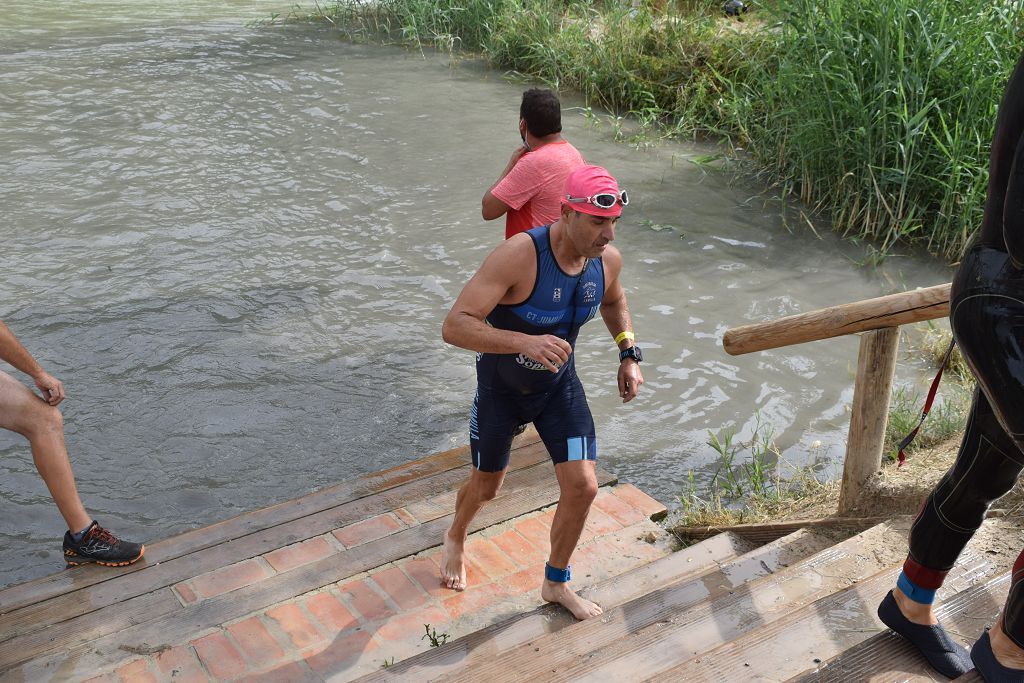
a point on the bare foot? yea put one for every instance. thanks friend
(1006, 651)
(453, 568)
(581, 608)
(915, 612)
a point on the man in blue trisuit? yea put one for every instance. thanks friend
(521, 313)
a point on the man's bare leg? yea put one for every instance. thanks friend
(481, 487)
(23, 412)
(577, 482)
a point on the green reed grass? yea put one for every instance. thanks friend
(933, 345)
(878, 115)
(881, 114)
(946, 419)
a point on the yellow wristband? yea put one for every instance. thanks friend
(625, 334)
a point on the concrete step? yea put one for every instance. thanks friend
(564, 654)
(824, 629)
(888, 657)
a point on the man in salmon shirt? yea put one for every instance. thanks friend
(528, 193)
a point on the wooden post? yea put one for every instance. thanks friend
(875, 367)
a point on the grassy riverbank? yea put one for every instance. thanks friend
(877, 115)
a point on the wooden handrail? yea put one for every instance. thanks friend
(871, 314)
(879, 319)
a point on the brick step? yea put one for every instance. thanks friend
(93, 641)
(889, 657)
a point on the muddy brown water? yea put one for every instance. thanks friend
(235, 246)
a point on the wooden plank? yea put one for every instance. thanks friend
(69, 605)
(698, 614)
(89, 643)
(888, 657)
(46, 587)
(769, 531)
(722, 562)
(869, 414)
(821, 630)
(872, 314)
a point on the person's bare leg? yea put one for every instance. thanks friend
(577, 483)
(915, 612)
(1006, 651)
(481, 487)
(23, 412)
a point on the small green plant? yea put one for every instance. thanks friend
(592, 119)
(873, 257)
(934, 345)
(387, 663)
(436, 639)
(703, 161)
(748, 478)
(657, 227)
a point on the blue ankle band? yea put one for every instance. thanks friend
(557, 575)
(920, 595)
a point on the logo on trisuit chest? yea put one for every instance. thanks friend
(529, 363)
(589, 293)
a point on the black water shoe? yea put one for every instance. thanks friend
(989, 667)
(100, 546)
(945, 656)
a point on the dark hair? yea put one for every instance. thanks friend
(542, 112)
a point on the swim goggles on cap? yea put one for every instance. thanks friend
(604, 200)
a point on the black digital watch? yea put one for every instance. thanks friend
(633, 352)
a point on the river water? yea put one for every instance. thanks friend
(236, 245)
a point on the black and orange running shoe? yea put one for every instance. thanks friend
(102, 547)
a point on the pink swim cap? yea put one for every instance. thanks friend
(583, 186)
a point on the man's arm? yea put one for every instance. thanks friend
(490, 206)
(11, 351)
(615, 312)
(465, 324)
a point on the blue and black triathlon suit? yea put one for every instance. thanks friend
(987, 317)
(513, 390)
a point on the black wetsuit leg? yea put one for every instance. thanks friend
(986, 468)
(987, 316)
